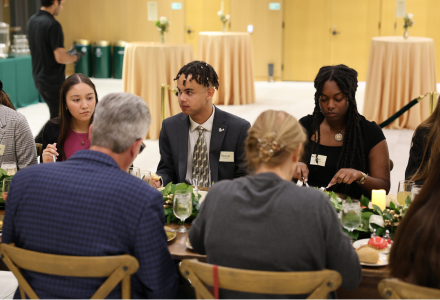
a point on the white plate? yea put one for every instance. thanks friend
(383, 261)
(362, 242)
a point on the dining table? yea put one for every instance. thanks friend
(367, 289)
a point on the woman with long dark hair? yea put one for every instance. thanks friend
(415, 254)
(425, 147)
(65, 135)
(345, 151)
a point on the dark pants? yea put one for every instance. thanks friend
(52, 100)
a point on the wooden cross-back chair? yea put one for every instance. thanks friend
(116, 268)
(316, 283)
(396, 289)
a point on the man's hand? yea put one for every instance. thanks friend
(73, 51)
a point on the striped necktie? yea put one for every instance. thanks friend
(200, 168)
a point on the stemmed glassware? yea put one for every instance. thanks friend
(135, 172)
(6, 185)
(146, 176)
(404, 191)
(182, 207)
(10, 168)
(415, 190)
(351, 215)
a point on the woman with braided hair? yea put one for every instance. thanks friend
(345, 152)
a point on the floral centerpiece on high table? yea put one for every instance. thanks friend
(3, 175)
(407, 22)
(373, 218)
(224, 19)
(162, 25)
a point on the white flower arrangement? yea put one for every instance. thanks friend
(162, 24)
(408, 21)
(224, 18)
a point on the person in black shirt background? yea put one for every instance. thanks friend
(345, 151)
(49, 57)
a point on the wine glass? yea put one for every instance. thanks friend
(404, 190)
(135, 172)
(182, 207)
(6, 185)
(10, 168)
(415, 190)
(351, 215)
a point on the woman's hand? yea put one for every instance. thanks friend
(301, 172)
(47, 153)
(347, 176)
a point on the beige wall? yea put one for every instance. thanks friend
(303, 46)
(114, 20)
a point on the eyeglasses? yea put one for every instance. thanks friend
(142, 147)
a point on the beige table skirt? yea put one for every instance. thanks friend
(148, 65)
(230, 54)
(399, 71)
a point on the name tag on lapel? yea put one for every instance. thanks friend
(226, 156)
(2, 149)
(321, 160)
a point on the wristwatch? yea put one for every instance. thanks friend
(362, 180)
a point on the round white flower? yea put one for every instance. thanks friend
(163, 20)
(410, 15)
(227, 17)
(220, 13)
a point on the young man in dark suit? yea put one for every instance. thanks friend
(202, 142)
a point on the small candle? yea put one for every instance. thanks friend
(379, 198)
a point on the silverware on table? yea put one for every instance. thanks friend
(196, 186)
(169, 230)
(307, 185)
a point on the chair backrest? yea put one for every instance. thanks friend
(116, 268)
(396, 289)
(316, 283)
(39, 148)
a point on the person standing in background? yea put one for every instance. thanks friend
(49, 57)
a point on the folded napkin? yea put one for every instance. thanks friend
(8, 285)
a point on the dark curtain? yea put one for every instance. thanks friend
(21, 11)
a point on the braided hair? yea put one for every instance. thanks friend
(353, 151)
(203, 73)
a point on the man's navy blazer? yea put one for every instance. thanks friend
(229, 133)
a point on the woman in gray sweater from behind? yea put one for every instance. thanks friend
(265, 221)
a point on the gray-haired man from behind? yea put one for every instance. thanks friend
(89, 205)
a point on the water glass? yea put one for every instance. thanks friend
(351, 215)
(6, 185)
(146, 176)
(182, 207)
(10, 168)
(415, 190)
(135, 172)
(404, 190)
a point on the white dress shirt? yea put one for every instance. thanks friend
(192, 140)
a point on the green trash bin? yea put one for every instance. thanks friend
(102, 60)
(118, 58)
(84, 65)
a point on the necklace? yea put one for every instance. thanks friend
(338, 137)
(82, 142)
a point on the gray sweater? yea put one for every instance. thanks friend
(262, 222)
